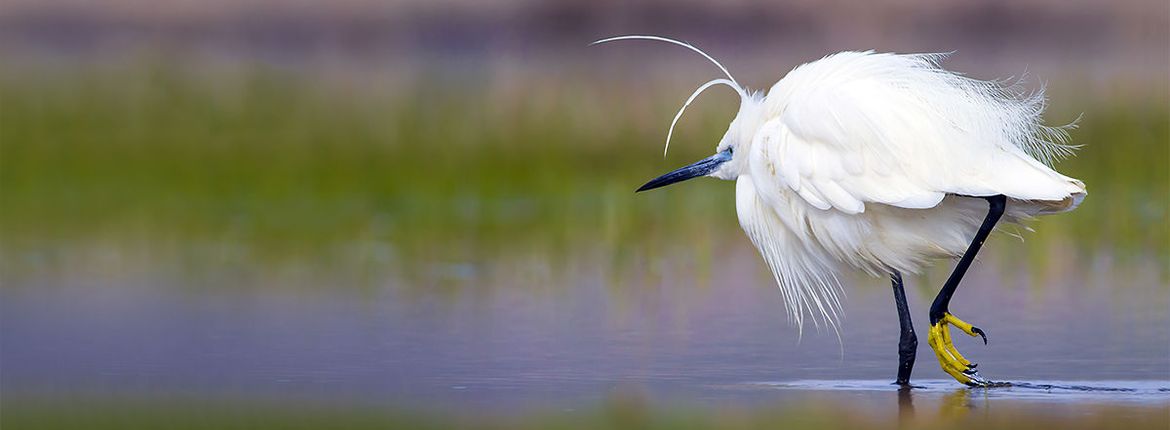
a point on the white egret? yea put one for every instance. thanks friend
(881, 163)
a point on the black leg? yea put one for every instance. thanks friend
(939, 308)
(908, 341)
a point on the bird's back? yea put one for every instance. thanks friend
(861, 127)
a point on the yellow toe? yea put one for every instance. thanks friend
(949, 358)
(960, 324)
(949, 345)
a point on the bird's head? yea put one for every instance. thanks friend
(730, 158)
(737, 141)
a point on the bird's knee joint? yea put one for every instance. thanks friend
(997, 203)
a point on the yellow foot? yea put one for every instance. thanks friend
(952, 362)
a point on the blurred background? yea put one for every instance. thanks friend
(406, 213)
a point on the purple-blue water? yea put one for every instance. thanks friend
(521, 336)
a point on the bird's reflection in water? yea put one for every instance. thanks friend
(905, 405)
(954, 405)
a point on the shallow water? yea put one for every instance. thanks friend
(1125, 391)
(525, 337)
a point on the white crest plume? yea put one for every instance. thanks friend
(730, 81)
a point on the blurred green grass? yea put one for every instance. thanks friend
(274, 167)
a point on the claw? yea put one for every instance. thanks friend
(975, 379)
(978, 381)
(980, 333)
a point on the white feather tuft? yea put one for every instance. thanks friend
(806, 276)
(1017, 112)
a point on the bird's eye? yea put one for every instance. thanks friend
(730, 150)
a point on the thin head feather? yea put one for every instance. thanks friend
(675, 42)
(690, 99)
(730, 81)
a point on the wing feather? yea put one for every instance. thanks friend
(860, 127)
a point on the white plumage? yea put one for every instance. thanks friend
(856, 155)
(868, 161)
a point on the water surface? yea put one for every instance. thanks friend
(523, 338)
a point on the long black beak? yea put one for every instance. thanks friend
(699, 168)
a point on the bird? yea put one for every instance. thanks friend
(881, 163)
